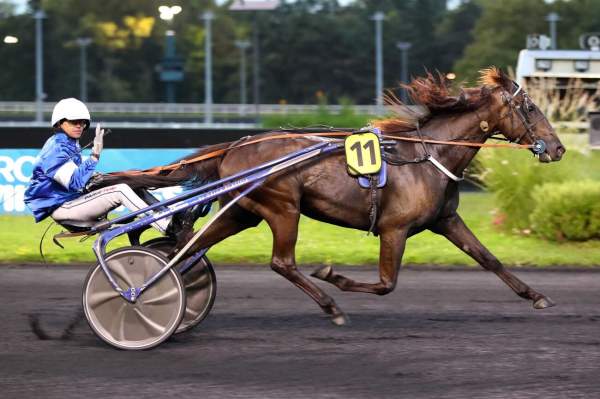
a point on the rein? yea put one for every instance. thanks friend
(216, 153)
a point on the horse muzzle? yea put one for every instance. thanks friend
(548, 153)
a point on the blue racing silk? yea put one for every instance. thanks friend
(59, 175)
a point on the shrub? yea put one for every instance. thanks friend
(511, 176)
(567, 211)
(570, 103)
(315, 120)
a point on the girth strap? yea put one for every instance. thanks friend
(374, 206)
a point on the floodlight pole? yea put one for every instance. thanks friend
(378, 17)
(256, 68)
(404, 47)
(553, 18)
(243, 45)
(170, 55)
(208, 16)
(39, 15)
(255, 5)
(83, 42)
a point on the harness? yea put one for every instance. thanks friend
(377, 180)
(522, 110)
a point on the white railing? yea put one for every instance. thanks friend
(157, 111)
(27, 107)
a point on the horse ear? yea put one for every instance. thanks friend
(505, 81)
(494, 77)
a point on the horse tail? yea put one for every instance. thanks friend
(190, 171)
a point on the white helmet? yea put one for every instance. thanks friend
(71, 109)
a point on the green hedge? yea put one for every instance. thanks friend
(314, 120)
(567, 211)
(513, 175)
(346, 118)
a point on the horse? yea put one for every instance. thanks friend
(418, 195)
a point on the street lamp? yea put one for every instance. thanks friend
(208, 16)
(552, 18)
(168, 12)
(83, 42)
(255, 5)
(8, 39)
(39, 15)
(404, 47)
(243, 45)
(171, 66)
(378, 17)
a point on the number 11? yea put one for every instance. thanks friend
(369, 145)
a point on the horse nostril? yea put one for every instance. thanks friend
(560, 150)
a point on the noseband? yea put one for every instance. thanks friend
(523, 111)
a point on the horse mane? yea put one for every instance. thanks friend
(433, 95)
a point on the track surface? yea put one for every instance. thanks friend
(441, 334)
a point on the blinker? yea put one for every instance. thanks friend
(539, 146)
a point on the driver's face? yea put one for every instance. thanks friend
(73, 129)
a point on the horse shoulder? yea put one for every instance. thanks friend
(413, 197)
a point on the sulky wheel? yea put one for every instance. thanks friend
(200, 284)
(152, 318)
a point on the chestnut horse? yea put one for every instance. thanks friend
(418, 195)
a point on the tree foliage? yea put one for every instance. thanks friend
(308, 48)
(500, 33)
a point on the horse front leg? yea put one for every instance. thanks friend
(455, 230)
(391, 249)
(284, 227)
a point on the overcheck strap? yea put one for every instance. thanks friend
(216, 153)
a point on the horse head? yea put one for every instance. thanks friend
(519, 119)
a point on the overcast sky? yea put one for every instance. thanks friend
(342, 2)
(21, 3)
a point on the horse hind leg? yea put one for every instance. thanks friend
(283, 262)
(391, 249)
(233, 221)
(455, 230)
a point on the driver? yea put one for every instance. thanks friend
(60, 175)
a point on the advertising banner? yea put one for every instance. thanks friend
(16, 166)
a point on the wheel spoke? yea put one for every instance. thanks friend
(100, 298)
(117, 328)
(190, 313)
(118, 269)
(163, 299)
(198, 283)
(149, 267)
(149, 323)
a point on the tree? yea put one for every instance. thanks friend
(310, 52)
(18, 62)
(576, 17)
(308, 47)
(500, 33)
(454, 33)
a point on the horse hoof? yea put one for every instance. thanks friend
(340, 320)
(543, 303)
(323, 272)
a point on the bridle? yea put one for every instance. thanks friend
(538, 146)
(523, 110)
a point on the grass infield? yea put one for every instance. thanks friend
(320, 243)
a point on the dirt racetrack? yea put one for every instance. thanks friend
(441, 334)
